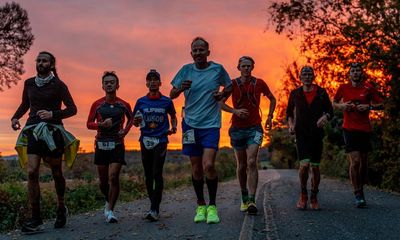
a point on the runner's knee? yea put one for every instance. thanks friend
(354, 157)
(209, 168)
(114, 179)
(33, 175)
(242, 166)
(252, 163)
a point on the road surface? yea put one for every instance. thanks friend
(277, 219)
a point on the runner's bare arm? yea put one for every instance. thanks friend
(224, 94)
(174, 124)
(272, 105)
(175, 92)
(242, 113)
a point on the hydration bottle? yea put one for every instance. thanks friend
(138, 114)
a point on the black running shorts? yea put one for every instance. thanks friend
(39, 147)
(106, 157)
(357, 141)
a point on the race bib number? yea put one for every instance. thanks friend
(258, 137)
(188, 137)
(150, 142)
(106, 145)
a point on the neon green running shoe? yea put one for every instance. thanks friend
(244, 206)
(200, 214)
(212, 214)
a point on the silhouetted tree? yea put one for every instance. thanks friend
(15, 40)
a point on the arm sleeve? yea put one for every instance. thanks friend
(129, 117)
(24, 106)
(135, 108)
(70, 107)
(290, 106)
(91, 121)
(171, 109)
(327, 104)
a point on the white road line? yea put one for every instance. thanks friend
(246, 233)
(270, 226)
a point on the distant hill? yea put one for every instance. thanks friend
(10, 158)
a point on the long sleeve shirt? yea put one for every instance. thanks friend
(306, 115)
(48, 97)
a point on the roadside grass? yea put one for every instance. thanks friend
(82, 191)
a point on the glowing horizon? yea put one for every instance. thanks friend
(132, 38)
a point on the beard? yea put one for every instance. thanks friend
(43, 70)
(356, 79)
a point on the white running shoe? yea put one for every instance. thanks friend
(111, 218)
(154, 216)
(106, 209)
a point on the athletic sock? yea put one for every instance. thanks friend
(245, 195)
(212, 185)
(198, 189)
(252, 198)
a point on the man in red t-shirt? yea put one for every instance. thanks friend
(356, 99)
(246, 131)
(309, 110)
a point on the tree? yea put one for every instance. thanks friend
(15, 40)
(335, 33)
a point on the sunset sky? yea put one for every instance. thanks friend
(130, 37)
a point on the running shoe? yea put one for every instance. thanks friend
(302, 203)
(111, 218)
(148, 215)
(154, 216)
(212, 214)
(360, 201)
(314, 205)
(363, 197)
(252, 209)
(32, 226)
(106, 209)
(61, 219)
(201, 212)
(243, 206)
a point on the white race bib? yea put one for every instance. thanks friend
(150, 142)
(188, 137)
(258, 137)
(106, 145)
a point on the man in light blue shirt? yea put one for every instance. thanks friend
(200, 82)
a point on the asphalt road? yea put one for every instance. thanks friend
(277, 219)
(337, 219)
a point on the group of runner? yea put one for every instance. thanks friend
(309, 109)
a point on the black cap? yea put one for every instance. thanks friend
(153, 73)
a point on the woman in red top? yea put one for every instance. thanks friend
(246, 131)
(356, 99)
